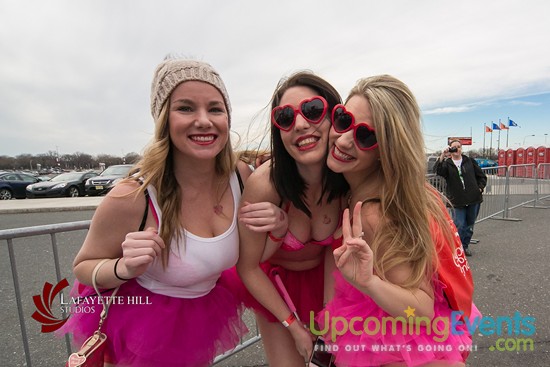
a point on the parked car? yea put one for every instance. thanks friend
(431, 162)
(66, 184)
(13, 184)
(103, 183)
(483, 162)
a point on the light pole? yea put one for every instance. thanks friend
(545, 136)
(526, 138)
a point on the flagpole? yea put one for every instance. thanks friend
(507, 131)
(491, 145)
(498, 144)
(484, 132)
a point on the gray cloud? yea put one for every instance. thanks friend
(76, 75)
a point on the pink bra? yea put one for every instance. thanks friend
(291, 243)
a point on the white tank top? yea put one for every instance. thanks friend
(192, 272)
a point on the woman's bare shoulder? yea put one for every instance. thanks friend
(122, 204)
(259, 186)
(371, 216)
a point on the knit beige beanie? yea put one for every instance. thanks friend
(172, 72)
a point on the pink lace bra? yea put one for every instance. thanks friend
(291, 243)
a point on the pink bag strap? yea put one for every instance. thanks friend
(283, 292)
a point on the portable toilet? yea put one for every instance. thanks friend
(530, 158)
(520, 159)
(510, 157)
(543, 156)
(501, 162)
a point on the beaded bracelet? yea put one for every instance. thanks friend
(116, 274)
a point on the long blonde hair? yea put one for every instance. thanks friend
(156, 169)
(408, 202)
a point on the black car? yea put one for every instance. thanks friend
(13, 184)
(66, 184)
(103, 183)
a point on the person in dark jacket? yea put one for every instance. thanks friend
(465, 184)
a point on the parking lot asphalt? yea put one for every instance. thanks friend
(511, 273)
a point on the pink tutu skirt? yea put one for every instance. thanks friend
(149, 329)
(370, 345)
(305, 289)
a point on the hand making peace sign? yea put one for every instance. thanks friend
(354, 258)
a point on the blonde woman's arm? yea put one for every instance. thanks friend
(113, 234)
(355, 261)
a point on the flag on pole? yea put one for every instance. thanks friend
(512, 123)
(495, 126)
(488, 129)
(503, 127)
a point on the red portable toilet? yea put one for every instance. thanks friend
(501, 162)
(520, 159)
(502, 157)
(530, 158)
(543, 156)
(510, 157)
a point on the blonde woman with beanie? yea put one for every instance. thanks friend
(169, 232)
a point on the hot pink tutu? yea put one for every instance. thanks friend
(305, 289)
(413, 347)
(162, 330)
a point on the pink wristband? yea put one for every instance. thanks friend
(289, 320)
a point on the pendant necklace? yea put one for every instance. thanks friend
(218, 208)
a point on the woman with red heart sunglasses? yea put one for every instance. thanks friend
(283, 269)
(397, 252)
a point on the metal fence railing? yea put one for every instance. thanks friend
(23, 300)
(507, 188)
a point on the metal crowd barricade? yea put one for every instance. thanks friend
(245, 343)
(9, 235)
(53, 230)
(522, 186)
(508, 188)
(437, 181)
(494, 196)
(543, 185)
(505, 191)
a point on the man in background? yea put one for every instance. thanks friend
(465, 184)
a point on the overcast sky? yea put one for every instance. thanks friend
(75, 75)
